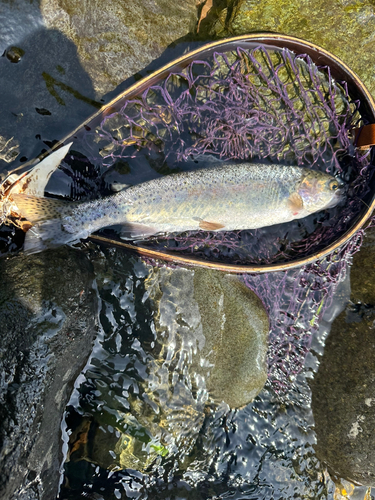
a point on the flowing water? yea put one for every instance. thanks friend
(264, 450)
(140, 422)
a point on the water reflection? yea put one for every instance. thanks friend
(124, 440)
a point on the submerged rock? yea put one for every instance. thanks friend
(211, 339)
(221, 326)
(235, 326)
(47, 317)
(176, 345)
(343, 397)
(337, 26)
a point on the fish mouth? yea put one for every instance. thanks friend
(340, 193)
(338, 197)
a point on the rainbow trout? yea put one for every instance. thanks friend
(223, 198)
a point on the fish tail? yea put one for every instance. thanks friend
(46, 215)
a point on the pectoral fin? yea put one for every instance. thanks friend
(210, 226)
(295, 203)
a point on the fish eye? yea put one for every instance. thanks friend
(333, 185)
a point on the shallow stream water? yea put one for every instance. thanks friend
(262, 451)
(120, 438)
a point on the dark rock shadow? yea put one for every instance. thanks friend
(48, 311)
(45, 93)
(343, 395)
(47, 302)
(343, 391)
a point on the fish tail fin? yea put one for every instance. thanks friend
(48, 234)
(37, 209)
(45, 214)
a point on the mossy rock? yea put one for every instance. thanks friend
(343, 28)
(343, 392)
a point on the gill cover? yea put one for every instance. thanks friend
(319, 191)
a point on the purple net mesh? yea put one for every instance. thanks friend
(238, 106)
(254, 104)
(247, 104)
(296, 301)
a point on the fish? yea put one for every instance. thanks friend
(220, 198)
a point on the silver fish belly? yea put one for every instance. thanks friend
(242, 196)
(227, 197)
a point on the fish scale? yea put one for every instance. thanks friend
(226, 197)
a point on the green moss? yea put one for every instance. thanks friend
(345, 30)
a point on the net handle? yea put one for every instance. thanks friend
(365, 136)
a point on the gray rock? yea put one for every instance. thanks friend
(47, 317)
(117, 39)
(343, 397)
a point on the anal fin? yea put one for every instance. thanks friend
(210, 226)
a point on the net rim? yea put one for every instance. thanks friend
(319, 56)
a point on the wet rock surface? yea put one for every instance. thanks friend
(117, 39)
(337, 26)
(235, 325)
(343, 398)
(47, 318)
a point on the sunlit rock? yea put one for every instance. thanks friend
(117, 39)
(345, 28)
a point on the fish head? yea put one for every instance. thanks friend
(319, 190)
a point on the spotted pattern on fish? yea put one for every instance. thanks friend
(226, 197)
